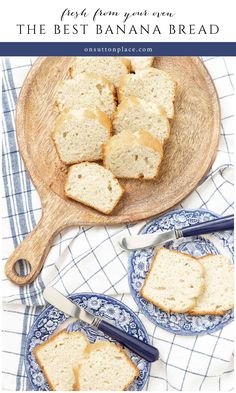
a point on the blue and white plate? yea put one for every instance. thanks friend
(139, 262)
(100, 305)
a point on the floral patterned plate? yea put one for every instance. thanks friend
(100, 305)
(139, 262)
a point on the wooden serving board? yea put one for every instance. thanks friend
(188, 155)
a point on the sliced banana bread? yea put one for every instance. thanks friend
(110, 67)
(79, 135)
(133, 155)
(57, 357)
(94, 186)
(87, 90)
(174, 281)
(106, 367)
(135, 114)
(151, 84)
(218, 296)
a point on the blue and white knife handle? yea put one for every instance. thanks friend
(218, 225)
(146, 351)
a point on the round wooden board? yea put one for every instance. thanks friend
(187, 157)
(188, 154)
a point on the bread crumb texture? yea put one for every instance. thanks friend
(174, 281)
(151, 84)
(106, 367)
(112, 68)
(57, 356)
(133, 155)
(87, 90)
(93, 185)
(218, 296)
(80, 134)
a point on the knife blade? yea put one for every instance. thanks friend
(137, 242)
(64, 304)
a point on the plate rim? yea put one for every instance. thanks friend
(144, 312)
(73, 296)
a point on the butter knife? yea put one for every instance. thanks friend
(62, 303)
(158, 238)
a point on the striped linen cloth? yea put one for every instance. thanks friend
(88, 259)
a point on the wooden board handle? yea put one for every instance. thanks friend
(34, 248)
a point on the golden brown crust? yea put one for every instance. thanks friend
(120, 88)
(98, 115)
(51, 339)
(135, 69)
(76, 385)
(127, 63)
(104, 120)
(144, 137)
(102, 344)
(209, 313)
(206, 256)
(86, 203)
(44, 371)
(149, 141)
(147, 277)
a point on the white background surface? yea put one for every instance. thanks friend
(186, 12)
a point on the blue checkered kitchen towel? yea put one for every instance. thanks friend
(89, 258)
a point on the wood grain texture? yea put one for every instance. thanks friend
(188, 155)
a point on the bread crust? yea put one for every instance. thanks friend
(101, 344)
(119, 90)
(126, 62)
(90, 205)
(137, 69)
(216, 313)
(76, 385)
(51, 339)
(147, 139)
(156, 303)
